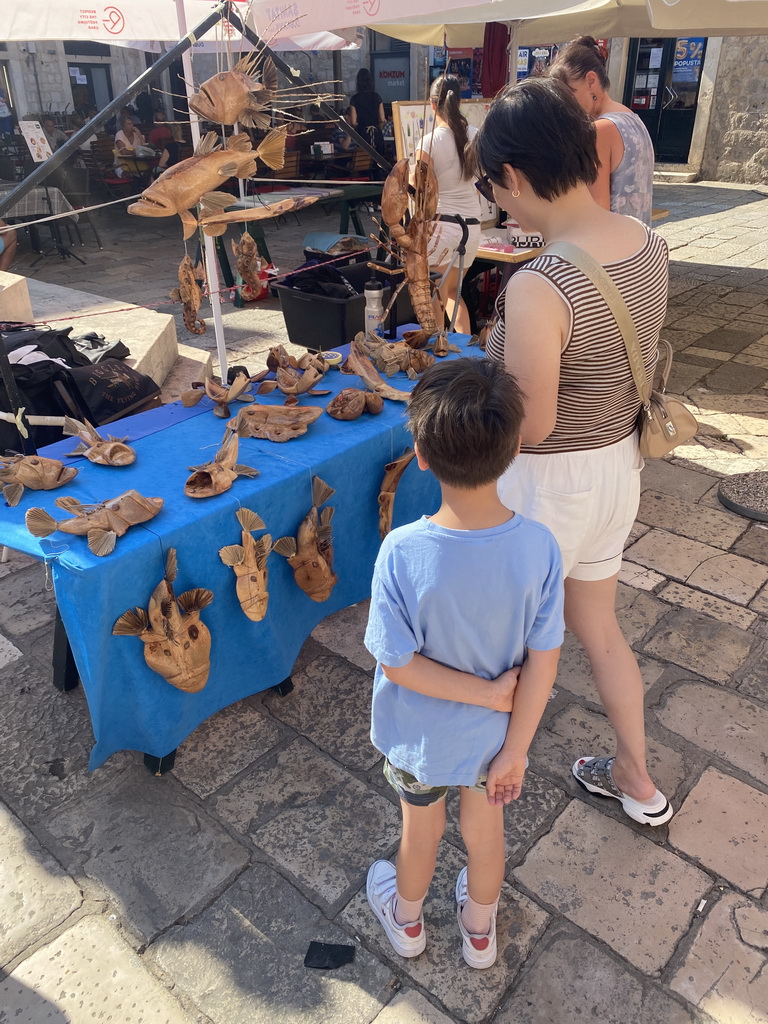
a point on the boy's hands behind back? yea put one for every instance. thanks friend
(505, 685)
(505, 777)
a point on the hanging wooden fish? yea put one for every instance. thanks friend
(249, 561)
(275, 422)
(190, 294)
(236, 95)
(34, 472)
(248, 265)
(102, 524)
(310, 554)
(350, 403)
(218, 476)
(112, 452)
(177, 644)
(220, 396)
(392, 474)
(191, 181)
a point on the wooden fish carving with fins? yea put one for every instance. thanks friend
(358, 362)
(218, 476)
(248, 263)
(190, 294)
(193, 180)
(275, 422)
(310, 555)
(350, 403)
(177, 644)
(102, 524)
(220, 396)
(393, 471)
(249, 561)
(34, 472)
(235, 95)
(112, 452)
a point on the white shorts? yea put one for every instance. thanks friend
(588, 499)
(445, 238)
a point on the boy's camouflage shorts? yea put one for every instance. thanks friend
(416, 793)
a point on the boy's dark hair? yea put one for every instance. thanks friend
(537, 127)
(578, 57)
(465, 415)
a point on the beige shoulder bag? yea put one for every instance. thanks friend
(664, 422)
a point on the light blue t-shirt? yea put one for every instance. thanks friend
(471, 599)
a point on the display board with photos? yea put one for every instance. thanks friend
(413, 119)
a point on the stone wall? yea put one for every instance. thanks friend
(736, 147)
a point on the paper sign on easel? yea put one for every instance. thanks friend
(35, 138)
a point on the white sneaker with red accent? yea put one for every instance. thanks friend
(479, 950)
(407, 940)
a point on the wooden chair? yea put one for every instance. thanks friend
(105, 177)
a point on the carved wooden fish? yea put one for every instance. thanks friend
(249, 561)
(275, 422)
(220, 396)
(358, 362)
(217, 223)
(310, 555)
(190, 294)
(235, 95)
(33, 471)
(393, 471)
(190, 181)
(218, 476)
(390, 357)
(177, 644)
(352, 402)
(248, 264)
(102, 524)
(112, 452)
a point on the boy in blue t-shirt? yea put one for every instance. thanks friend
(459, 599)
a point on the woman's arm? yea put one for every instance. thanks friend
(609, 144)
(536, 325)
(382, 116)
(422, 675)
(352, 115)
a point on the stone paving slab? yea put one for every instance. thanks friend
(712, 649)
(575, 674)
(242, 960)
(331, 705)
(27, 602)
(467, 994)
(689, 519)
(314, 818)
(223, 746)
(573, 982)
(723, 825)
(725, 973)
(156, 853)
(730, 576)
(87, 974)
(410, 1007)
(343, 634)
(720, 722)
(669, 553)
(707, 604)
(632, 894)
(36, 895)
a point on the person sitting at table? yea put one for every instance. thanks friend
(55, 136)
(8, 245)
(171, 151)
(128, 140)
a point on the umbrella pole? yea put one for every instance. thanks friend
(212, 273)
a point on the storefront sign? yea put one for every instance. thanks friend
(392, 77)
(523, 56)
(460, 64)
(688, 57)
(36, 140)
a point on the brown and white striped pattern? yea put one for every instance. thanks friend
(597, 401)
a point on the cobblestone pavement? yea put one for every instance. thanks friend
(193, 897)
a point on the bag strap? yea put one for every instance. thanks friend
(594, 272)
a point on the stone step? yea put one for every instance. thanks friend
(673, 175)
(191, 364)
(150, 336)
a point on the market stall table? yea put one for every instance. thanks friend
(131, 706)
(35, 204)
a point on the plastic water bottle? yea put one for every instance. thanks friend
(374, 308)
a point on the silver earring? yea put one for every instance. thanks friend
(594, 98)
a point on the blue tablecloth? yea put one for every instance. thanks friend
(131, 706)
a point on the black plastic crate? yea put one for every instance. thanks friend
(319, 322)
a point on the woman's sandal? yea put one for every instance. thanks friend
(594, 774)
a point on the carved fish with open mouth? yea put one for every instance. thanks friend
(220, 396)
(249, 561)
(34, 472)
(112, 452)
(190, 294)
(177, 644)
(218, 476)
(102, 524)
(310, 554)
(235, 95)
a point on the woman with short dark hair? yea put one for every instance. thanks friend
(366, 110)
(624, 181)
(579, 469)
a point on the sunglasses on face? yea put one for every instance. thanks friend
(485, 188)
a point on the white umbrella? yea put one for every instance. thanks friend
(711, 17)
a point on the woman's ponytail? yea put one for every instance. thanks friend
(446, 95)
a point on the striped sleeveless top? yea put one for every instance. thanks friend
(597, 402)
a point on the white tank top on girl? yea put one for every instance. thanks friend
(458, 195)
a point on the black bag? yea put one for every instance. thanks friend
(105, 391)
(315, 278)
